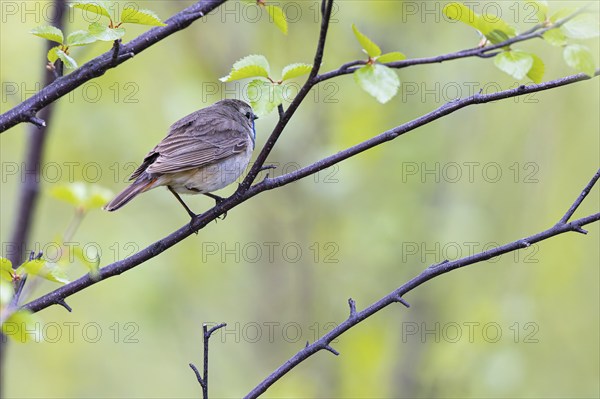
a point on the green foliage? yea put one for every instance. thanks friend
(518, 63)
(18, 325)
(378, 80)
(96, 31)
(264, 93)
(579, 58)
(278, 16)
(84, 197)
(43, 269)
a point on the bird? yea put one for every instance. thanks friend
(203, 152)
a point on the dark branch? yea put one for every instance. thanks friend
(203, 381)
(393, 297)
(238, 197)
(579, 200)
(481, 52)
(99, 65)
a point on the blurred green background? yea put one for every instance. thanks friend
(280, 268)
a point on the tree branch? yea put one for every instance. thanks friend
(238, 197)
(432, 271)
(25, 111)
(481, 52)
(203, 381)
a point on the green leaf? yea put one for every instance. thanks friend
(294, 70)
(6, 269)
(100, 7)
(48, 32)
(264, 96)
(541, 9)
(142, 17)
(497, 36)
(52, 54)
(22, 326)
(391, 57)
(91, 264)
(367, 44)
(104, 33)
(80, 38)
(555, 37)
(462, 13)
(495, 29)
(6, 292)
(43, 269)
(249, 66)
(583, 26)
(278, 17)
(536, 73)
(562, 14)
(378, 80)
(66, 59)
(82, 196)
(580, 58)
(515, 63)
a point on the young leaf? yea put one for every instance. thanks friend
(555, 37)
(6, 269)
(48, 32)
(66, 59)
(6, 292)
(92, 264)
(562, 14)
(515, 63)
(100, 7)
(495, 29)
(378, 80)
(462, 13)
(21, 325)
(583, 26)
(104, 33)
(391, 57)
(536, 73)
(52, 54)
(294, 70)
(367, 44)
(278, 17)
(579, 58)
(249, 66)
(142, 17)
(264, 96)
(43, 269)
(540, 7)
(80, 38)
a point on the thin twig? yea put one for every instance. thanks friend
(203, 381)
(393, 297)
(580, 199)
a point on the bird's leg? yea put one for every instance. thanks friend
(218, 200)
(189, 211)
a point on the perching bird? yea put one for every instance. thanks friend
(203, 152)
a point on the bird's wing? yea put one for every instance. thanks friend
(194, 143)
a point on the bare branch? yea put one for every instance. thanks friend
(579, 200)
(203, 381)
(393, 297)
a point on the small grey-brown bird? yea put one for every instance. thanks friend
(203, 152)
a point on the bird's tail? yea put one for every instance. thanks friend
(135, 188)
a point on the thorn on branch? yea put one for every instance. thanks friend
(37, 121)
(578, 229)
(352, 305)
(62, 303)
(402, 301)
(330, 349)
(438, 264)
(281, 111)
(116, 48)
(307, 343)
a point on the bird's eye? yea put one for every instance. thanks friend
(251, 116)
